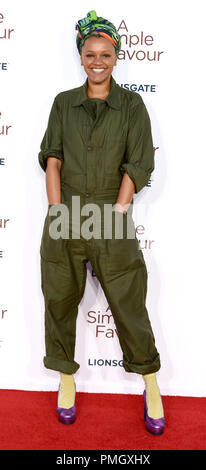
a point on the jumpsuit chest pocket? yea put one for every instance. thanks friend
(123, 254)
(52, 249)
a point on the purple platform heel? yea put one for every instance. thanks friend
(155, 426)
(67, 415)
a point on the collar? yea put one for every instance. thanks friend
(112, 99)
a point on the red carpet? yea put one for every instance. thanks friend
(104, 422)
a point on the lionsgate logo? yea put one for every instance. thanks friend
(105, 362)
(146, 88)
(98, 219)
(3, 66)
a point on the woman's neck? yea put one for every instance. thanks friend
(100, 91)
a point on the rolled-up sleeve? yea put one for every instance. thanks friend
(139, 157)
(51, 145)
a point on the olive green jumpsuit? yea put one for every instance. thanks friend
(97, 141)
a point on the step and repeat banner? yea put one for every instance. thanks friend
(162, 59)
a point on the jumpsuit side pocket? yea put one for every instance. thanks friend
(52, 249)
(124, 254)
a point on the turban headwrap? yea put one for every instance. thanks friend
(98, 24)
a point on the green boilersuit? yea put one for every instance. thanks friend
(97, 141)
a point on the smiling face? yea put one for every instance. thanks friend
(98, 58)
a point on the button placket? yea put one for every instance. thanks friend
(91, 163)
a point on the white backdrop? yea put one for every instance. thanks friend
(38, 59)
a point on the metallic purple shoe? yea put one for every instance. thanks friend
(67, 415)
(155, 426)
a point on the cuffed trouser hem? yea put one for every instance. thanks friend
(62, 366)
(142, 369)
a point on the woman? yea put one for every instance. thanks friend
(98, 148)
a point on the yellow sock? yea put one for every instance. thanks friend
(66, 395)
(153, 397)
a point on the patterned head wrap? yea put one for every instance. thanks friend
(93, 23)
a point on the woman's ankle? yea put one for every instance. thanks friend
(153, 396)
(66, 395)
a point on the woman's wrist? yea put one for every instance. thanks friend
(53, 203)
(121, 207)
